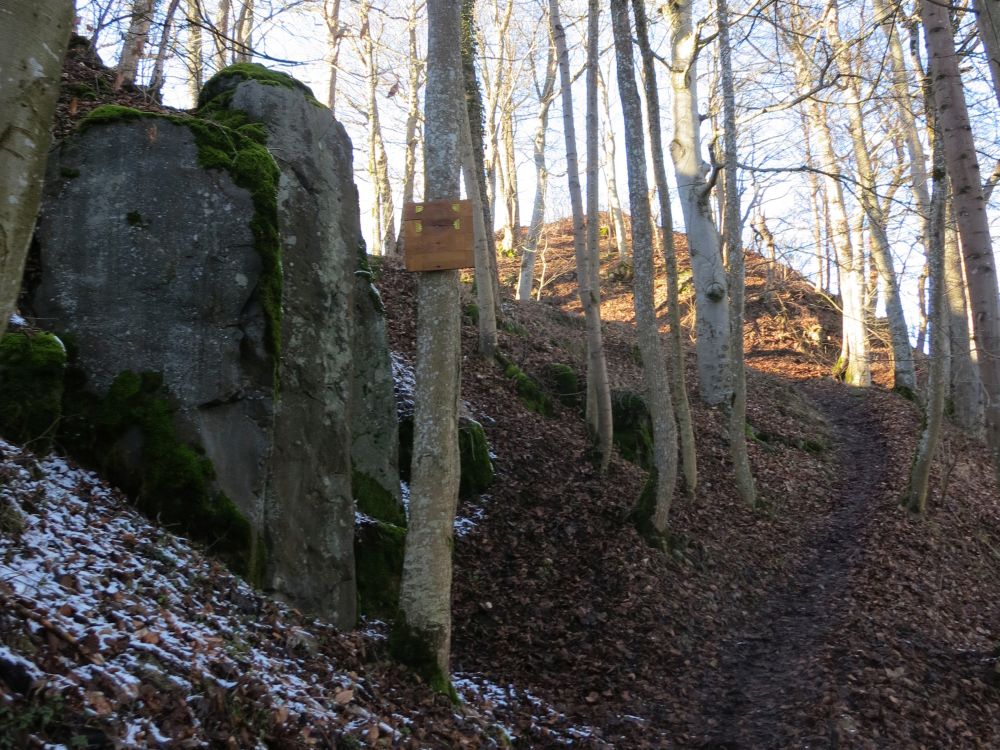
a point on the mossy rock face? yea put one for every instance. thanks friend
(378, 565)
(129, 434)
(477, 473)
(376, 501)
(32, 367)
(633, 428)
(229, 77)
(564, 383)
(474, 456)
(530, 392)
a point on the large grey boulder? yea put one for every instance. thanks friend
(151, 262)
(148, 265)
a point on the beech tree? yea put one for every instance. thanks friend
(33, 41)
(711, 295)
(422, 633)
(652, 513)
(970, 209)
(599, 406)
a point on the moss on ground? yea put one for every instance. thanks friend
(228, 140)
(378, 565)
(175, 481)
(641, 515)
(415, 648)
(633, 428)
(530, 392)
(564, 383)
(32, 369)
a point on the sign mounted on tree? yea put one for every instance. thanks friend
(437, 235)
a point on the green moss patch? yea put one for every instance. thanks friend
(473, 450)
(376, 501)
(530, 392)
(175, 481)
(474, 457)
(633, 428)
(415, 648)
(641, 515)
(32, 368)
(564, 383)
(378, 565)
(229, 77)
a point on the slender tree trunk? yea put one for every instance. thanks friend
(136, 39)
(243, 33)
(545, 95)
(195, 51)
(966, 387)
(599, 416)
(651, 518)
(484, 287)
(415, 68)
(988, 23)
(937, 384)
(970, 208)
(33, 40)
(675, 348)
(334, 35)
(734, 257)
(904, 375)
(422, 633)
(614, 203)
(222, 30)
(816, 201)
(156, 79)
(711, 298)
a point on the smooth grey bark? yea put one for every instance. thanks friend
(966, 388)
(546, 93)
(415, 80)
(711, 296)
(734, 257)
(422, 633)
(675, 347)
(194, 50)
(970, 209)
(654, 371)
(243, 33)
(617, 221)
(33, 41)
(331, 17)
(904, 374)
(940, 355)
(598, 416)
(135, 42)
(156, 78)
(988, 24)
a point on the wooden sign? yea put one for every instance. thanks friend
(437, 235)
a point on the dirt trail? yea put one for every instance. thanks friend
(769, 672)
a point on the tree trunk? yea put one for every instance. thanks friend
(415, 68)
(33, 40)
(614, 203)
(135, 42)
(334, 35)
(422, 633)
(711, 298)
(988, 23)
(243, 33)
(970, 208)
(545, 94)
(221, 33)
(734, 257)
(156, 78)
(966, 387)
(598, 416)
(937, 382)
(651, 517)
(675, 348)
(195, 51)
(904, 375)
